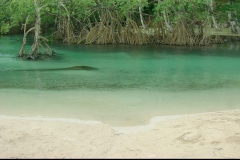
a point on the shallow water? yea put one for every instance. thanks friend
(133, 83)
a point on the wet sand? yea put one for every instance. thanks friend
(206, 135)
(116, 108)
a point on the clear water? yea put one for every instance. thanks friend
(133, 83)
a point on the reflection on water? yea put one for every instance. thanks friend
(151, 67)
(133, 83)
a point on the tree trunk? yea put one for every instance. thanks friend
(169, 27)
(35, 51)
(22, 51)
(141, 16)
(232, 23)
(67, 25)
(39, 41)
(213, 17)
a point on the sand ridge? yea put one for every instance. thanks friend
(209, 135)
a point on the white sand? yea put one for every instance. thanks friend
(208, 135)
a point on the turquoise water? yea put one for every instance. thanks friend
(148, 70)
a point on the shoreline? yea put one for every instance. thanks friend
(117, 108)
(119, 129)
(202, 135)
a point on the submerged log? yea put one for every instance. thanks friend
(86, 68)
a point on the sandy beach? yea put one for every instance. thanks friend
(205, 135)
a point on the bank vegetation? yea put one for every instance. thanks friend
(135, 22)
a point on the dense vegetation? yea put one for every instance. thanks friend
(176, 22)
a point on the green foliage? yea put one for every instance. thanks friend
(175, 9)
(4, 17)
(126, 6)
(82, 13)
(224, 7)
(4, 28)
(20, 10)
